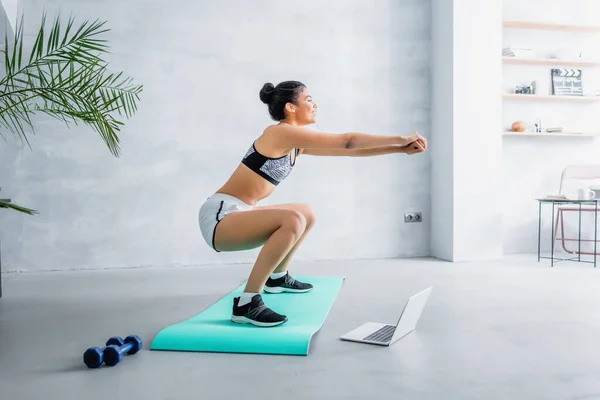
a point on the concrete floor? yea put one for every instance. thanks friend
(506, 330)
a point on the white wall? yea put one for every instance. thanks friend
(477, 153)
(532, 166)
(467, 156)
(202, 64)
(10, 8)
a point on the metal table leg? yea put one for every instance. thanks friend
(579, 238)
(539, 227)
(552, 255)
(595, 230)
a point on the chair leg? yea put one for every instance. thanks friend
(558, 215)
(563, 238)
(562, 229)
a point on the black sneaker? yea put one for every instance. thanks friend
(256, 313)
(286, 284)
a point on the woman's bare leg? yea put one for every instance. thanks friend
(310, 217)
(277, 230)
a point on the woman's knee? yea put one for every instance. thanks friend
(295, 222)
(309, 215)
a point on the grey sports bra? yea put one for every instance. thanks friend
(273, 170)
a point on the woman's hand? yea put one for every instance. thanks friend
(419, 145)
(415, 137)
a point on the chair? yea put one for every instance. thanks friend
(572, 178)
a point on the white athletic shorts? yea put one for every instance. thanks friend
(214, 209)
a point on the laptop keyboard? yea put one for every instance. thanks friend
(382, 335)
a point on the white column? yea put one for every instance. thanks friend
(441, 142)
(466, 143)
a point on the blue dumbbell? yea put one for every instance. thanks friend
(94, 356)
(113, 353)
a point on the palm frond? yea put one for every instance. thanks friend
(8, 204)
(66, 78)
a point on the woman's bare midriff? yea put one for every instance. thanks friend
(247, 186)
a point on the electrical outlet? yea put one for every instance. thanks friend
(413, 217)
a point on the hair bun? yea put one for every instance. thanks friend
(266, 93)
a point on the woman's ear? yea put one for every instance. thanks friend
(290, 108)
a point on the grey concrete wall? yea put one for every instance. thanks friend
(202, 64)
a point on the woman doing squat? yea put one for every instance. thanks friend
(231, 220)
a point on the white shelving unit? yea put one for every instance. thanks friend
(547, 134)
(552, 62)
(540, 97)
(550, 27)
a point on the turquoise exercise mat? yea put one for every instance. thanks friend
(213, 331)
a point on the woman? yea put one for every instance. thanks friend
(230, 220)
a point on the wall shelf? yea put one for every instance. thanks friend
(535, 97)
(549, 61)
(549, 27)
(546, 134)
(531, 60)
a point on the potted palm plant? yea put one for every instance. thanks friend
(65, 77)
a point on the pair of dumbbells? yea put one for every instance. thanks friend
(116, 348)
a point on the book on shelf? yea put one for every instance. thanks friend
(517, 52)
